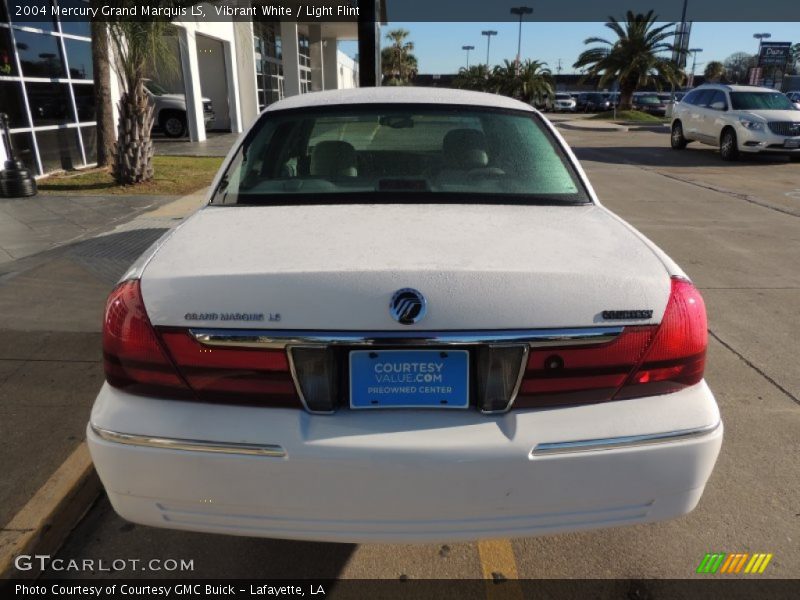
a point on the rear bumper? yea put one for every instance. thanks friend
(403, 475)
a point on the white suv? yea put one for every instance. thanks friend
(738, 119)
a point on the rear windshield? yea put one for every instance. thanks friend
(760, 101)
(400, 153)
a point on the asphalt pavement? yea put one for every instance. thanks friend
(735, 229)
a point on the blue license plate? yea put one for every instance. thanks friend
(409, 379)
(792, 143)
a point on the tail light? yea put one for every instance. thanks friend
(170, 363)
(133, 356)
(676, 357)
(242, 375)
(641, 361)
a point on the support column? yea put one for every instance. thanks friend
(191, 83)
(231, 70)
(246, 71)
(369, 48)
(317, 58)
(291, 58)
(330, 64)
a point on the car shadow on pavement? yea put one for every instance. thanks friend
(103, 534)
(664, 156)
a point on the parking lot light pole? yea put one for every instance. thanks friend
(694, 52)
(520, 11)
(468, 48)
(488, 33)
(760, 37)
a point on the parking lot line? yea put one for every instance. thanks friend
(499, 569)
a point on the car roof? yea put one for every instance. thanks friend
(733, 88)
(398, 95)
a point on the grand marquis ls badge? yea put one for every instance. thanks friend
(408, 306)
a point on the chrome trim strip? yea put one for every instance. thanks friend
(280, 339)
(554, 448)
(147, 441)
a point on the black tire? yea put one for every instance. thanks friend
(676, 139)
(173, 124)
(728, 145)
(794, 158)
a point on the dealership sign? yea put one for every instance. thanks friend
(774, 54)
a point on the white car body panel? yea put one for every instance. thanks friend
(443, 476)
(324, 267)
(404, 475)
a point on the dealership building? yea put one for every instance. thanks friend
(242, 66)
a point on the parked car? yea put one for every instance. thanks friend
(738, 119)
(650, 103)
(564, 103)
(594, 102)
(320, 354)
(795, 98)
(170, 110)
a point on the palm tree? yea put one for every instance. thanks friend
(635, 58)
(398, 64)
(537, 81)
(714, 71)
(476, 78)
(139, 48)
(528, 81)
(504, 80)
(102, 89)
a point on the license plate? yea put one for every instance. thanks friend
(792, 143)
(409, 379)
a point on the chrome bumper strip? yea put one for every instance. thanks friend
(554, 448)
(279, 339)
(189, 445)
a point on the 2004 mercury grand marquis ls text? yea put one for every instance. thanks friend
(403, 316)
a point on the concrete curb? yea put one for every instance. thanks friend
(42, 525)
(596, 126)
(45, 522)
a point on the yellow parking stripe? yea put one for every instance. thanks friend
(757, 563)
(765, 563)
(497, 560)
(752, 562)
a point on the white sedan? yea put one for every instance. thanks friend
(404, 315)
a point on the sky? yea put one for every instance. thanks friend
(437, 46)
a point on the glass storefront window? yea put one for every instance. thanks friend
(84, 101)
(39, 54)
(79, 57)
(59, 149)
(8, 66)
(89, 135)
(12, 104)
(50, 103)
(77, 26)
(23, 149)
(43, 20)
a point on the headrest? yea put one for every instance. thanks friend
(333, 159)
(465, 149)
